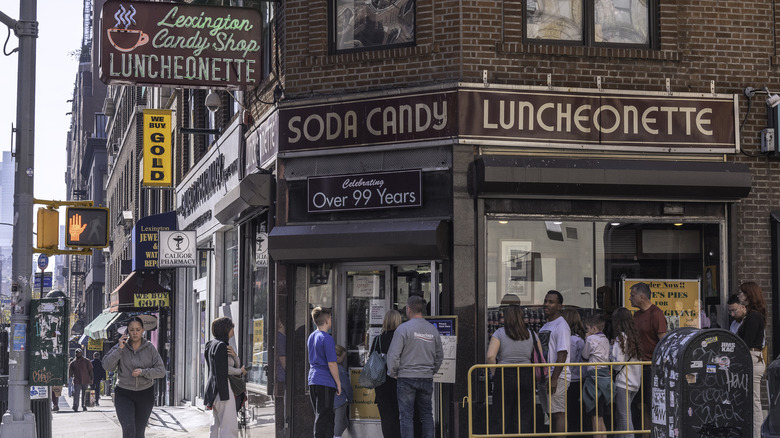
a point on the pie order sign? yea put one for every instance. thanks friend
(180, 45)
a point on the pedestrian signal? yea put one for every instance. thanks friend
(86, 227)
(48, 226)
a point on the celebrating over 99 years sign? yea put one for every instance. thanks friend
(180, 44)
(365, 191)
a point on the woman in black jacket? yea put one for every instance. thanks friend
(386, 393)
(219, 396)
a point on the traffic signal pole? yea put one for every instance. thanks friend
(19, 421)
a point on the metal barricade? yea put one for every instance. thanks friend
(479, 394)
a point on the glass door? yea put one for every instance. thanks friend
(366, 300)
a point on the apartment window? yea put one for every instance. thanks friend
(373, 24)
(592, 23)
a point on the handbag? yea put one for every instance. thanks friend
(374, 372)
(237, 384)
(537, 357)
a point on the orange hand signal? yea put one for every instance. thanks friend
(75, 228)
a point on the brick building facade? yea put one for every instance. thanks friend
(711, 206)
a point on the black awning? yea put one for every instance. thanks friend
(138, 282)
(420, 240)
(608, 179)
(251, 194)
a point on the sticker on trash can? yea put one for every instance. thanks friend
(691, 378)
(39, 392)
(727, 347)
(697, 363)
(711, 369)
(659, 406)
(723, 363)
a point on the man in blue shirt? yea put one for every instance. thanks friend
(324, 380)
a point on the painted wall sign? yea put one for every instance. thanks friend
(388, 120)
(206, 183)
(526, 117)
(365, 191)
(599, 120)
(180, 45)
(145, 239)
(262, 144)
(158, 149)
(178, 249)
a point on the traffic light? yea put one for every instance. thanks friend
(86, 227)
(48, 226)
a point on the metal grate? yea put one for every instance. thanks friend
(429, 158)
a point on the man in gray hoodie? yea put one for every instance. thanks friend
(415, 355)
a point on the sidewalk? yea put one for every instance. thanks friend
(165, 422)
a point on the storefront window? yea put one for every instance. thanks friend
(231, 265)
(527, 258)
(258, 300)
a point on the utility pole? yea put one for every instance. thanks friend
(19, 421)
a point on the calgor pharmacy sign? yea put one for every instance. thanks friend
(178, 249)
(180, 45)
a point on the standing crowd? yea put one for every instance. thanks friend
(578, 398)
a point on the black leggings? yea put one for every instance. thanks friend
(133, 409)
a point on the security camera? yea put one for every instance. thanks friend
(213, 102)
(773, 100)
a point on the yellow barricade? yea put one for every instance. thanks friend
(479, 386)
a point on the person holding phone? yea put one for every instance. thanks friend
(137, 364)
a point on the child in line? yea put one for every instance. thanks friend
(573, 404)
(597, 392)
(341, 402)
(629, 377)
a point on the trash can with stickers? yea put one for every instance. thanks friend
(702, 385)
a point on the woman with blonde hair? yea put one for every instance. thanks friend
(387, 393)
(752, 332)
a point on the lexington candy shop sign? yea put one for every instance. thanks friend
(179, 44)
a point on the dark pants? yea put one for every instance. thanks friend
(507, 399)
(96, 388)
(322, 402)
(415, 396)
(645, 398)
(80, 391)
(387, 403)
(133, 409)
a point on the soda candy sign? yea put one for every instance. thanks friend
(180, 45)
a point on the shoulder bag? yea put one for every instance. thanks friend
(537, 357)
(374, 372)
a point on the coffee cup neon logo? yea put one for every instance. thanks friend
(126, 40)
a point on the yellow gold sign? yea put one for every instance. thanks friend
(158, 149)
(155, 299)
(95, 344)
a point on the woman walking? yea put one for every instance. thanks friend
(512, 344)
(625, 348)
(386, 393)
(752, 332)
(219, 396)
(137, 364)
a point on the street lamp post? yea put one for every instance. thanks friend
(19, 421)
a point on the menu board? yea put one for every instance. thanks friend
(48, 341)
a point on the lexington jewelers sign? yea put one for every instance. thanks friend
(180, 45)
(529, 117)
(365, 191)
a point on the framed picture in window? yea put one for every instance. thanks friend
(517, 268)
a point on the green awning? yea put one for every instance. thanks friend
(98, 328)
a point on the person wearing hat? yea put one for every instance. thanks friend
(80, 369)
